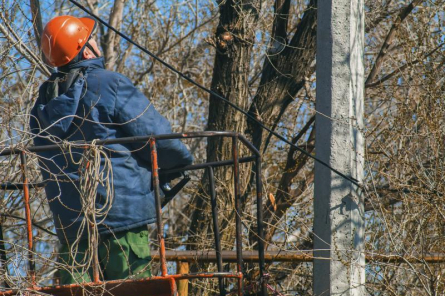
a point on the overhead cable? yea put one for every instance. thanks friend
(154, 56)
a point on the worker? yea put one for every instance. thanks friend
(82, 102)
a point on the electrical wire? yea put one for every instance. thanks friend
(211, 92)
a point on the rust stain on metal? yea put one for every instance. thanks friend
(156, 286)
(206, 275)
(159, 225)
(28, 219)
(152, 286)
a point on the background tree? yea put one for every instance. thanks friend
(260, 55)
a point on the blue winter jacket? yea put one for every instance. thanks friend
(101, 104)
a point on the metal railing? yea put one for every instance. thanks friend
(209, 166)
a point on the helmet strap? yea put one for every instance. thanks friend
(90, 47)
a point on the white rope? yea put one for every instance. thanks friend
(91, 175)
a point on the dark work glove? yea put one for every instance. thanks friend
(170, 192)
(167, 178)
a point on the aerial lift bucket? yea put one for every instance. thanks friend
(165, 284)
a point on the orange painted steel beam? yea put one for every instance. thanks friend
(152, 286)
(183, 268)
(287, 256)
(28, 219)
(159, 224)
(394, 258)
(156, 286)
(230, 256)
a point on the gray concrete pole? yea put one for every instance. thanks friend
(339, 267)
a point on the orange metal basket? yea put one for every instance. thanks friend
(164, 284)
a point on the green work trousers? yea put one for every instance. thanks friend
(123, 255)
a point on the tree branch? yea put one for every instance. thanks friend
(389, 38)
(111, 39)
(283, 76)
(281, 8)
(21, 47)
(386, 13)
(36, 20)
(401, 68)
(283, 199)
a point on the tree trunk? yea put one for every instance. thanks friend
(284, 72)
(283, 76)
(233, 41)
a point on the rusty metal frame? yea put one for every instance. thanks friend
(151, 140)
(28, 218)
(216, 233)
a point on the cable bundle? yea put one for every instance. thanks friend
(92, 173)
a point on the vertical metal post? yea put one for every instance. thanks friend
(239, 242)
(259, 202)
(28, 218)
(159, 224)
(183, 267)
(95, 246)
(3, 254)
(214, 204)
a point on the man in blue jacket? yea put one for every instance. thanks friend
(84, 102)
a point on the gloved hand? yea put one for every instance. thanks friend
(167, 178)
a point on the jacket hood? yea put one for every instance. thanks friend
(90, 63)
(56, 116)
(60, 96)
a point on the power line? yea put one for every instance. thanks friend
(352, 180)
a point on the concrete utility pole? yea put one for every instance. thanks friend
(339, 267)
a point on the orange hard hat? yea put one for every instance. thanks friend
(64, 37)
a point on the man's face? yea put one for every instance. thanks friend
(89, 54)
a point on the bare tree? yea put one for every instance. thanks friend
(260, 55)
